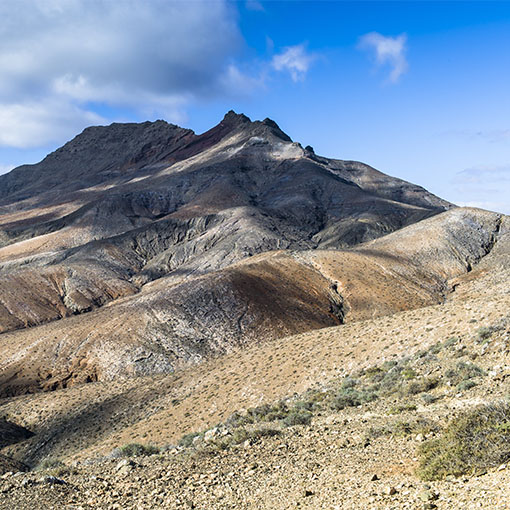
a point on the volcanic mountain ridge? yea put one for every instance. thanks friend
(148, 240)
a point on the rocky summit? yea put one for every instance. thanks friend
(229, 320)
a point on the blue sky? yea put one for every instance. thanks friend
(418, 90)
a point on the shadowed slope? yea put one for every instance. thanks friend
(175, 321)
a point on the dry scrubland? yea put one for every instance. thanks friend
(360, 404)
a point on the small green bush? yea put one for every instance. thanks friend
(137, 450)
(391, 380)
(473, 442)
(266, 412)
(451, 341)
(50, 463)
(419, 386)
(375, 373)
(241, 435)
(463, 371)
(351, 397)
(428, 398)
(484, 333)
(402, 408)
(298, 417)
(304, 405)
(466, 385)
(408, 373)
(236, 419)
(349, 382)
(187, 439)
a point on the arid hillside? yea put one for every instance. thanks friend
(140, 248)
(228, 320)
(412, 372)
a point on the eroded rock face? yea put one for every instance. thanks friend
(119, 250)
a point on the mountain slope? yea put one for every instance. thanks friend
(130, 240)
(174, 320)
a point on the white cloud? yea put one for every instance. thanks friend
(35, 124)
(239, 83)
(295, 60)
(60, 59)
(387, 51)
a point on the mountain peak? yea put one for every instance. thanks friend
(231, 117)
(276, 130)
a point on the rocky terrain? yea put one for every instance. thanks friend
(133, 248)
(228, 320)
(361, 456)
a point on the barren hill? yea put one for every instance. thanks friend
(151, 219)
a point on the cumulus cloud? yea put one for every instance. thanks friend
(60, 59)
(388, 51)
(35, 124)
(295, 60)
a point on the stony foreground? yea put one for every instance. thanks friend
(328, 465)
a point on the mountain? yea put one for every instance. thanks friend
(257, 312)
(166, 247)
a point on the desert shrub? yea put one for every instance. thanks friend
(217, 444)
(259, 413)
(391, 380)
(435, 348)
(350, 397)
(463, 371)
(237, 419)
(466, 385)
(349, 382)
(451, 341)
(387, 365)
(297, 417)
(277, 412)
(402, 428)
(419, 386)
(484, 333)
(187, 439)
(374, 373)
(315, 397)
(416, 426)
(263, 432)
(304, 405)
(473, 442)
(241, 435)
(50, 463)
(428, 398)
(401, 408)
(137, 450)
(267, 412)
(408, 373)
